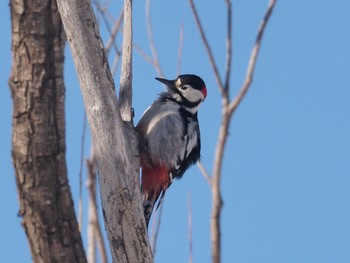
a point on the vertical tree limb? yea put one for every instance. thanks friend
(118, 170)
(253, 58)
(125, 93)
(228, 49)
(80, 205)
(228, 109)
(180, 50)
(38, 135)
(207, 46)
(157, 220)
(92, 207)
(94, 226)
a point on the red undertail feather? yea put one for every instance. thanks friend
(155, 179)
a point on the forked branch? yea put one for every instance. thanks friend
(207, 46)
(253, 58)
(112, 137)
(228, 109)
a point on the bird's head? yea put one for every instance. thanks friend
(189, 90)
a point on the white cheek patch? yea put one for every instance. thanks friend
(193, 95)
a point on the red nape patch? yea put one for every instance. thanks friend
(154, 180)
(204, 90)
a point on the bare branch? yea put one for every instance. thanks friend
(204, 172)
(80, 217)
(253, 58)
(228, 48)
(100, 242)
(92, 214)
(105, 20)
(144, 54)
(150, 39)
(179, 53)
(206, 44)
(104, 9)
(94, 225)
(125, 93)
(114, 32)
(216, 190)
(223, 133)
(156, 227)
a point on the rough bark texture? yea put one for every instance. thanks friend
(113, 139)
(38, 137)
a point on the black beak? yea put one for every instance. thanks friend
(169, 83)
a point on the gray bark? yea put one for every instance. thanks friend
(113, 139)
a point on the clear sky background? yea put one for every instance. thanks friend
(286, 175)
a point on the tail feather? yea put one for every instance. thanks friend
(147, 210)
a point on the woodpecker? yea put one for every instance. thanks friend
(169, 137)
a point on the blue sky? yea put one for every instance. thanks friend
(286, 175)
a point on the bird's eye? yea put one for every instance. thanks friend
(183, 87)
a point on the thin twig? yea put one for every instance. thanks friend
(104, 9)
(228, 48)
(100, 241)
(253, 58)
(91, 187)
(80, 220)
(114, 32)
(94, 226)
(206, 44)
(179, 52)
(155, 229)
(204, 172)
(227, 112)
(144, 54)
(106, 22)
(150, 39)
(112, 35)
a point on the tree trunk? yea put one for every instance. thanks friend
(38, 136)
(114, 140)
